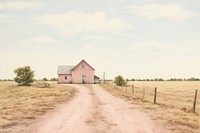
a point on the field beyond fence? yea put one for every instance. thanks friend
(174, 102)
(170, 94)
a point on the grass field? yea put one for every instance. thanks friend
(174, 103)
(19, 105)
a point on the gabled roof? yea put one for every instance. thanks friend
(65, 69)
(96, 77)
(80, 63)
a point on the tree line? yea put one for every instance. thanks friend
(120, 81)
(171, 79)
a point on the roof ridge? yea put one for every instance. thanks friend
(85, 62)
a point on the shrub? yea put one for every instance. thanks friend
(24, 76)
(119, 80)
(45, 79)
(53, 79)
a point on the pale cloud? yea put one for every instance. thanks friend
(150, 47)
(94, 50)
(2, 16)
(72, 23)
(41, 39)
(19, 6)
(154, 11)
(96, 37)
(90, 49)
(190, 49)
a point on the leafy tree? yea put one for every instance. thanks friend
(193, 79)
(119, 80)
(45, 79)
(24, 76)
(53, 79)
(160, 79)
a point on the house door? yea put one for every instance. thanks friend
(83, 79)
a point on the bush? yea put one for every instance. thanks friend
(45, 79)
(24, 76)
(127, 79)
(119, 80)
(53, 79)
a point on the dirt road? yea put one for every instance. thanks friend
(94, 110)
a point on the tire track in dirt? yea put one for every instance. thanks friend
(97, 120)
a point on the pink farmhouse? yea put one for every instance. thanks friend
(79, 74)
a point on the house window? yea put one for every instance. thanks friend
(83, 66)
(65, 78)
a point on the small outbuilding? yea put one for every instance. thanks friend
(80, 74)
(96, 79)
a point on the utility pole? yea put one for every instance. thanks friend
(0, 66)
(104, 75)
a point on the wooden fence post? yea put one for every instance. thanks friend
(143, 97)
(133, 89)
(155, 95)
(195, 101)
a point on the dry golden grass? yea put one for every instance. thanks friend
(174, 103)
(19, 104)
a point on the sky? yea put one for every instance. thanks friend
(132, 38)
